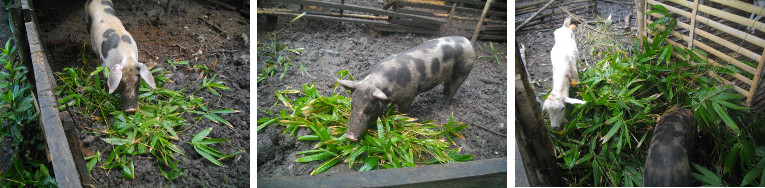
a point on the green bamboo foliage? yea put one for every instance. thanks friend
(399, 141)
(606, 141)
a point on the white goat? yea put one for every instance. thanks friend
(563, 55)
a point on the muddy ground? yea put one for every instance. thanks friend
(538, 43)
(480, 101)
(178, 30)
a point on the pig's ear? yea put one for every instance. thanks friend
(380, 95)
(114, 77)
(347, 84)
(146, 75)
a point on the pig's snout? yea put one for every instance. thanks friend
(130, 110)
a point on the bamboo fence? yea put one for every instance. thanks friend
(719, 28)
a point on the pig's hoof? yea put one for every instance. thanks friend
(352, 137)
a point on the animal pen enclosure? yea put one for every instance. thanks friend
(537, 14)
(719, 29)
(436, 17)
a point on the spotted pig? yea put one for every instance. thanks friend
(400, 77)
(671, 147)
(118, 51)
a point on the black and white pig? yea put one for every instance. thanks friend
(118, 51)
(668, 161)
(400, 77)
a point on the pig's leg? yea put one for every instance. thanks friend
(459, 75)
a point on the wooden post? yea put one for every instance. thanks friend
(480, 22)
(755, 97)
(341, 10)
(693, 23)
(640, 17)
(531, 134)
(20, 38)
(449, 20)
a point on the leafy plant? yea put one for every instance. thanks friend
(152, 130)
(211, 85)
(273, 54)
(494, 54)
(173, 63)
(399, 141)
(18, 120)
(200, 145)
(603, 143)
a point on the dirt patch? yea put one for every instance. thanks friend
(538, 43)
(480, 101)
(162, 29)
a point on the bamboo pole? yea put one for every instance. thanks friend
(534, 15)
(693, 23)
(478, 26)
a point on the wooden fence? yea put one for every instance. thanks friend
(719, 29)
(549, 11)
(436, 17)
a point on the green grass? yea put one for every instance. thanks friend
(274, 55)
(607, 139)
(398, 141)
(153, 130)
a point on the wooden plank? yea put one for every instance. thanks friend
(488, 172)
(311, 16)
(569, 3)
(360, 16)
(531, 133)
(365, 9)
(430, 13)
(398, 28)
(415, 24)
(447, 8)
(492, 37)
(61, 156)
(75, 145)
(479, 3)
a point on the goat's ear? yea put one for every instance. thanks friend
(573, 101)
(115, 76)
(146, 75)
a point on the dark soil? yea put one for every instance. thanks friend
(177, 30)
(480, 101)
(538, 43)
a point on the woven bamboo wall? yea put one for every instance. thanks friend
(720, 30)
